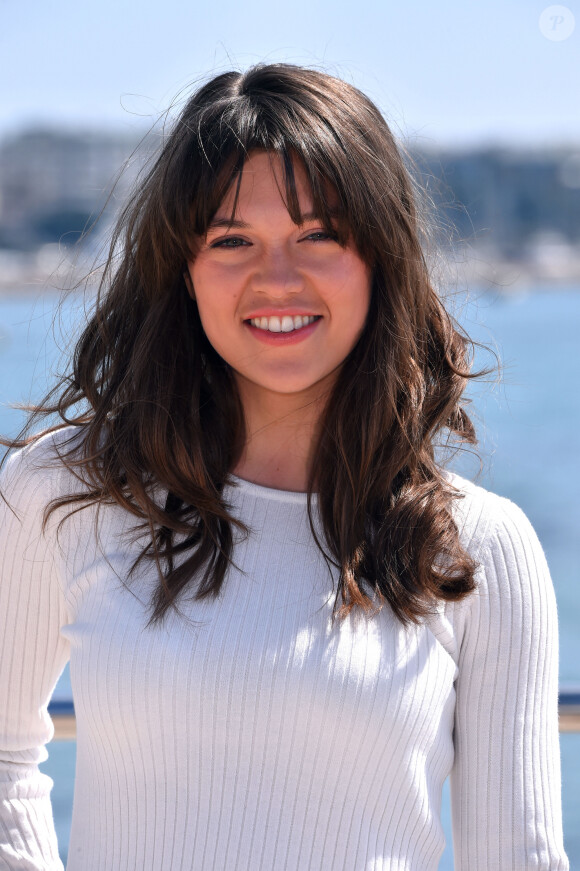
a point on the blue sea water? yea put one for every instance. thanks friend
(528, 423)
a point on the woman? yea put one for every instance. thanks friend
(286, 623)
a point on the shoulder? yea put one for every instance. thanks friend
(487, 521)
(513, 580)
(514, 595)
(38, 471)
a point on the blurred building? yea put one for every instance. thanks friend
(507, 201)
(516, 206)
(54, 184)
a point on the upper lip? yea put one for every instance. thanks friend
(280, 313)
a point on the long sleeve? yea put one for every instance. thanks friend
(505, 784)
(32, 656)
(244, 720)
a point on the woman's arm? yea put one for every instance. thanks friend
(505, 784)
(32, 656)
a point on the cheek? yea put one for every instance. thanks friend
(216, 296)
(353, 297)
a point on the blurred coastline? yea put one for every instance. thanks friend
(53, 267)
(502, 217)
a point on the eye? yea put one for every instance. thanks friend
(229, 242)
(321, 236)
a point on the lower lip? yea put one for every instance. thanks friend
(291, 338)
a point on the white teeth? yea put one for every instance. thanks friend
(286, 324)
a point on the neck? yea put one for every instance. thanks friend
(280, 434)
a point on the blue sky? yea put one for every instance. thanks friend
(445, 72)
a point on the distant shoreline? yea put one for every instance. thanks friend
(33, 274)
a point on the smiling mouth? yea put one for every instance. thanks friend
(285, 324)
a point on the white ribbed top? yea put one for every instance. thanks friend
(251, 734)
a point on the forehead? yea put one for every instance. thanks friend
(265, 183)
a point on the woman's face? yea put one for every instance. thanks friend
(282, 304)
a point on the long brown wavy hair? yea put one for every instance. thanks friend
(157, 408)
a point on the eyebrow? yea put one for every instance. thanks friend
(226, 222)
(233, 223)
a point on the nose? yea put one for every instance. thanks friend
(276, 274)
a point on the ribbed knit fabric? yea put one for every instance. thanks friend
(252, 734)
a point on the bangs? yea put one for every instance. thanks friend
(325, 205)
(216, 148)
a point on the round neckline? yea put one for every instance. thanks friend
(269, 492)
